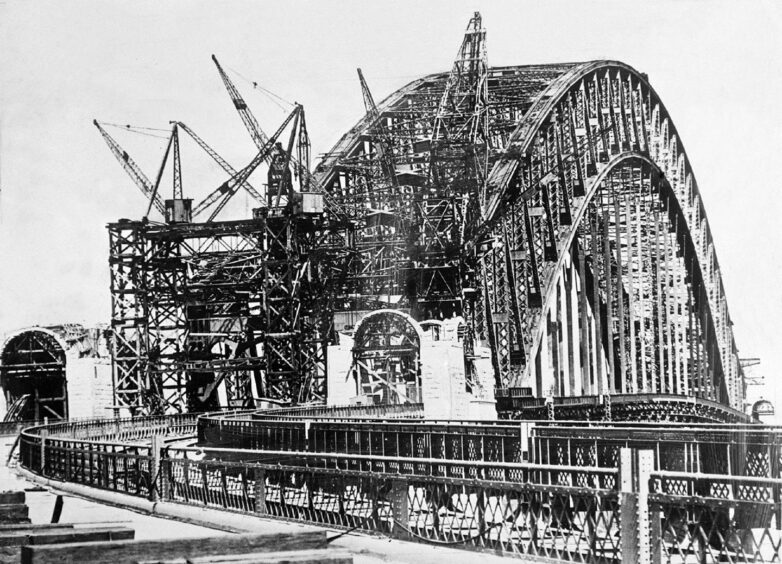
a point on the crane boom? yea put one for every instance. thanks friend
(177, 165)
(171, 141)
(220, 161)
(133, 170)
(257, 134)
(229, 187)
(260, 138)
(385, 148)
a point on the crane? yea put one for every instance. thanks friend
(259, 138)
(133, 170)
(162, 168)
(220, 161)
(230, 186)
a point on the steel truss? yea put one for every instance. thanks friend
(197, 305)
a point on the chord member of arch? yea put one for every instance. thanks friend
(603, 111)
(625, 261)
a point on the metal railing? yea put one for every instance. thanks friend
(714, 518)
(516, 518)
(406, 410)
(739, 449)
(583, 513)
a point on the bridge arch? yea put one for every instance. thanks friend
(598, 121)
(556, 133)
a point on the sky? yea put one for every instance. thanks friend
(716, 65)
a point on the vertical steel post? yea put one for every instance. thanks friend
(635, 469)
(400, 507)
(648, 530)
(260, 491)
(156, 480)
(43, 434)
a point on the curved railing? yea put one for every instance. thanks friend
(458, 483)
(735, 449)
(513, 404)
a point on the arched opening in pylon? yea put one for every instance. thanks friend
(32, 376)
(386, 358)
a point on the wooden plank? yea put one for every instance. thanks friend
(287, 557)
(14, 513)
(34, 526)
(57, 536)
(130, 552)
(11, 497)
(10, 554)
(290, 557)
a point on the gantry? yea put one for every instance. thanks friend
(547, 212)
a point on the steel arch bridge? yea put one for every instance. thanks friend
(550, 210)
(585, 260)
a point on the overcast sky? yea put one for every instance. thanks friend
(716, 65)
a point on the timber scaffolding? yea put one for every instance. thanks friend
(561, 491)
(550, 209)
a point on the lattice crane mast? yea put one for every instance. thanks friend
(133, 170)
(462, 119)
(455, 180)
(385, 148)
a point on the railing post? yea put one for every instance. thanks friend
(653, 515)
(525, 442)
(43, 434)
(156, 445)
(635, 469)
(307, 425)
(628, 522)
(260, 491)
(400, 507)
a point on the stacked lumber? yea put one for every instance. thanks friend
(309, 547)
(13, 509)
(14, 537)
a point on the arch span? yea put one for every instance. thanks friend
(590, 266)
(598, 131)
(386, 357)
